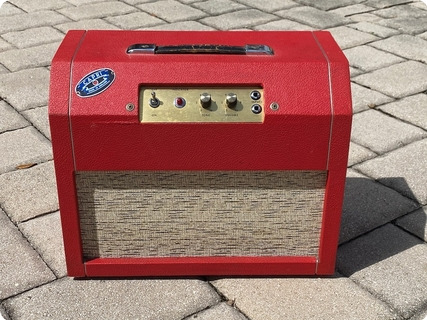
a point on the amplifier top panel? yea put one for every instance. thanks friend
(114, 72)
(119, 92)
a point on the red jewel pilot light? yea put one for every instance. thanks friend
(137, 195)
(180, 102)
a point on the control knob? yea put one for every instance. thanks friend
(205, 100)
(231, 100)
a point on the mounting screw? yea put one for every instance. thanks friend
(130, 107)
(274, 106)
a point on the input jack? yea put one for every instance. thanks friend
(256, 108)
(255, 95)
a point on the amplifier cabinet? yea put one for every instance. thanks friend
(200, 153)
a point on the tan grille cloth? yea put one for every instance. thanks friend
(200, 213)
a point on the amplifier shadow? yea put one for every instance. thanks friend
(378, 222)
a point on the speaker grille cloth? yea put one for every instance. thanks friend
(200, 213)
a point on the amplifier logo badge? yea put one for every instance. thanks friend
(95, 82)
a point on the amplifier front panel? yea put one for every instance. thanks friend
(200, 213)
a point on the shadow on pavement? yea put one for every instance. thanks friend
(374, 223)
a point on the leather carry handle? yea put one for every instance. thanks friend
(249, 49)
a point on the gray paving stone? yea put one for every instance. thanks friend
(367, 58)
(10, 119)
(355, 72)
(389, 263)
(30, 20)
(404, 45)
(216, 7)
(111, 299)
(238, 19)
(4, 45)
(352, 10)
(33, 37)
(28, 193)
(26, 88)
(401, 11)
(3, 314)
(348, 37)
(415, 223)
(272, 6)
(21, 268)
(412, 109)
(172, 11)
(30, 6)
(398, 80)
(134, 20)
(375, 29)
(221, 311)
(3, 70)
(134, 2)
(302, 298)
(364, 98)
(39, 118)
(184, 25)
(78, 3)
(406, 25)
(423, 35)
(420, 315)
(313, 17)
(23, 146)
(187, 1)
(92, 24)
(382, 133)
(420, 4)
(97, 10)
(384, 3)
(409, 164)
(364, 17)
(368, 205)
(329, 4)
(7, 9)
(45, 235)
(283, 24)
(359, 154)
(19, 59)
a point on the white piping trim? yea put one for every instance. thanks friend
(332, 114)
(330, 95)
(71, 96)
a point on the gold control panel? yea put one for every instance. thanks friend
(201, 104)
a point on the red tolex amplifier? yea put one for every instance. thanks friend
(200, 153)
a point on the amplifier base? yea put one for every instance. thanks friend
(214, 266)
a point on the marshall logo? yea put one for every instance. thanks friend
(95, 82)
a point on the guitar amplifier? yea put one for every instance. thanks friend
(200, 153)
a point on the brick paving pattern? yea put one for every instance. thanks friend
(381, 269)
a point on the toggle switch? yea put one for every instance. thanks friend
(154, 102)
